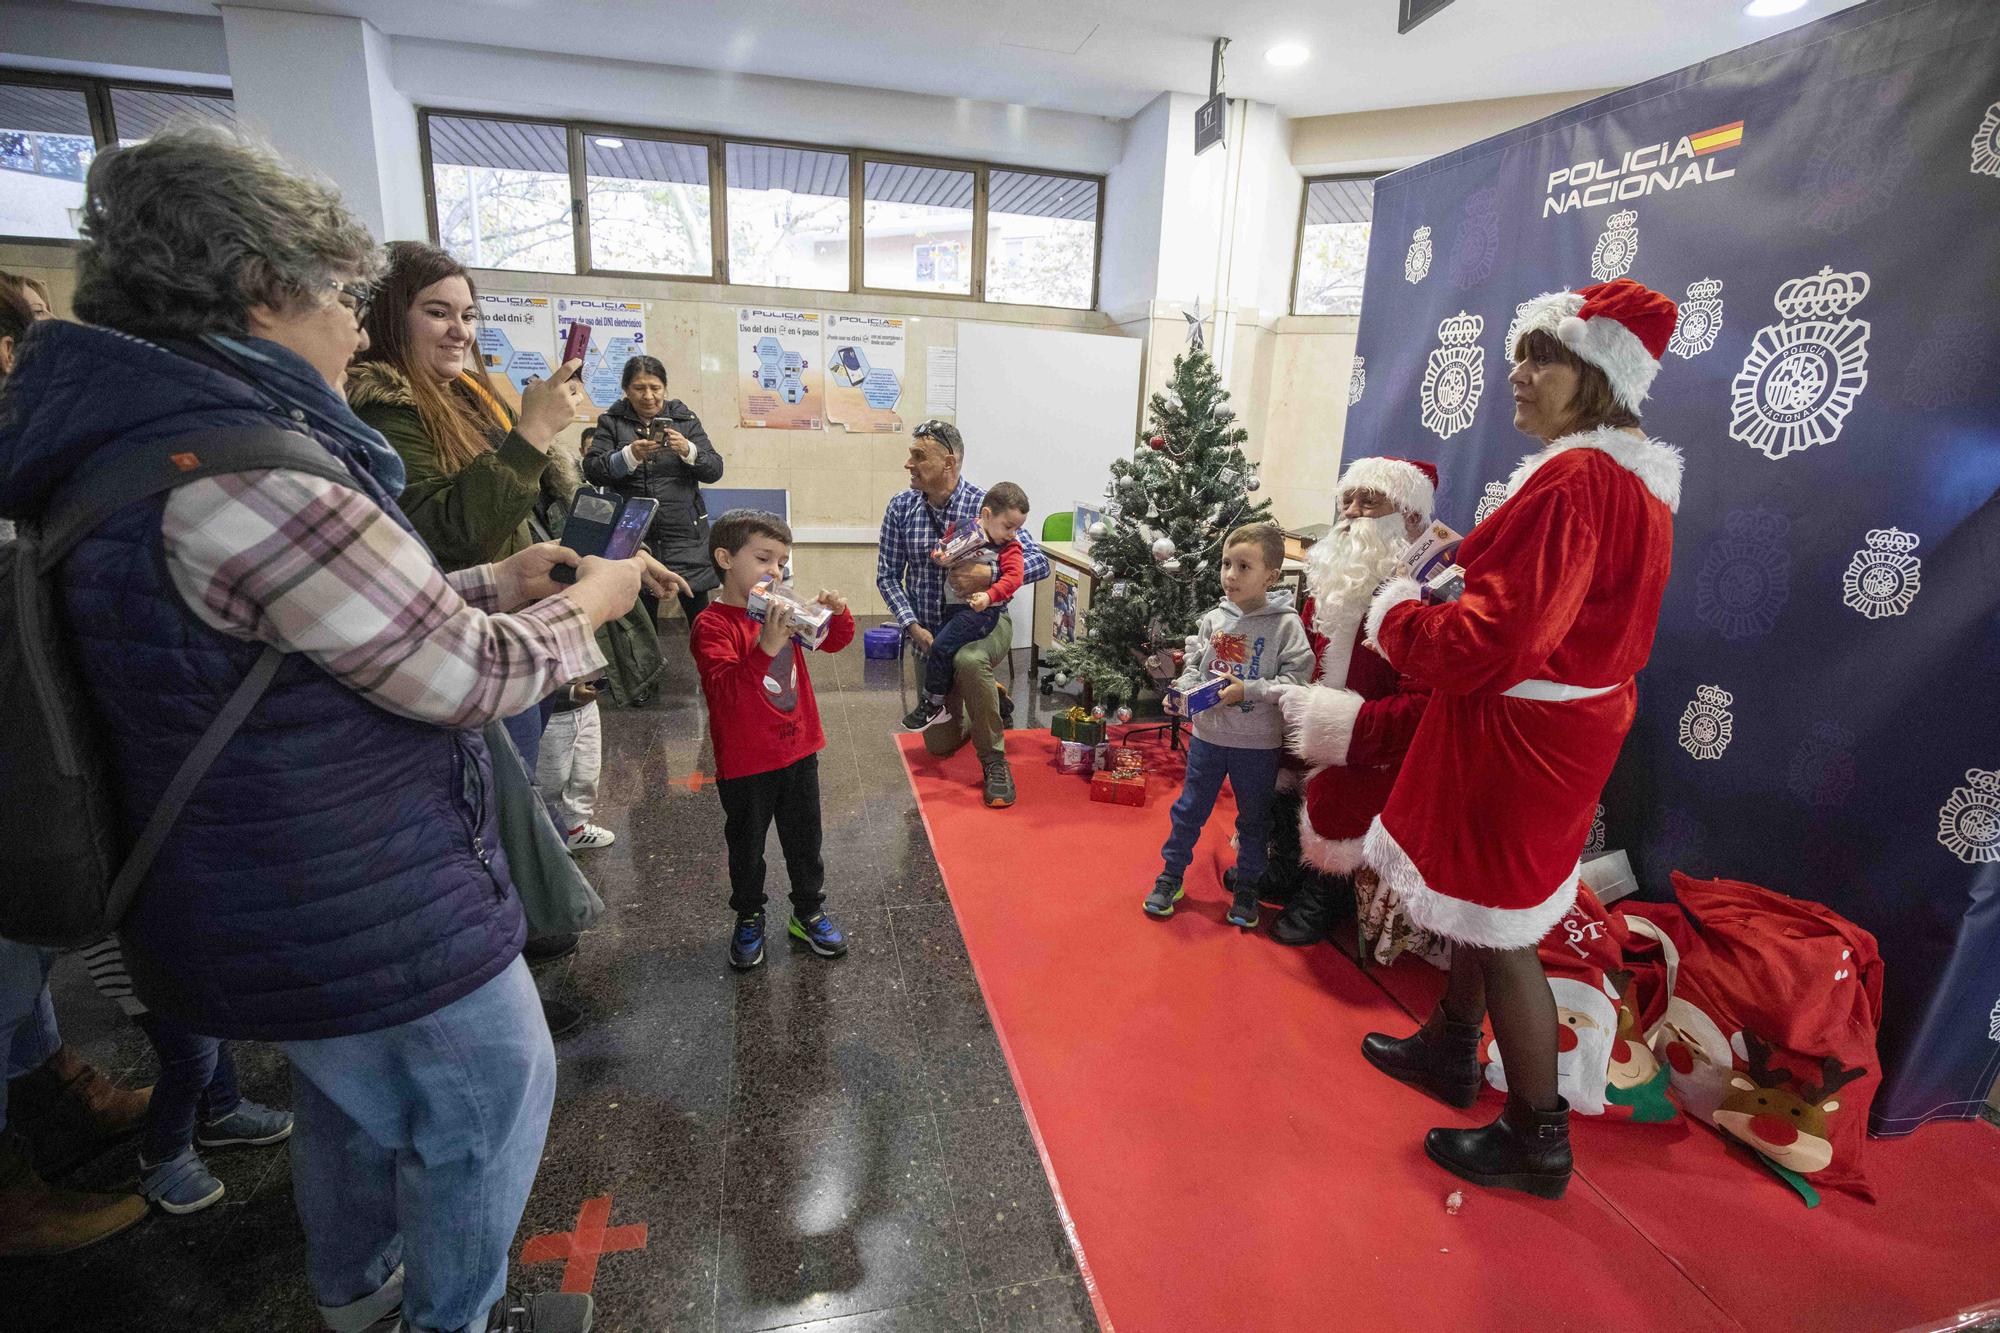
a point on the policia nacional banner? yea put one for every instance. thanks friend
(1822, 711)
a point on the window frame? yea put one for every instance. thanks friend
(1299, 240)
(96, 92)
(1096, 244)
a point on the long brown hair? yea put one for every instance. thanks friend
(1595, 403)
(455, 415)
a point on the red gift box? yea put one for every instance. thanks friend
(1116, 790)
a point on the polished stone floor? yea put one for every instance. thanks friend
(826, 1146)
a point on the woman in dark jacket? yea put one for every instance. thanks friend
(650, 444)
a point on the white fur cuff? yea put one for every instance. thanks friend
(1393, 593)
(1455, 918)
(1332, 856)
(1319, 722)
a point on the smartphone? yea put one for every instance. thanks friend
(577, 343)
(606, 524)
(630, 530)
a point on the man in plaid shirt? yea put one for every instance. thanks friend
(913, 586)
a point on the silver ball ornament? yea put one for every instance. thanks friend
(1123, 715)
(1099, 530)
(1163, 548)
(1253, 483)
(1172, 566)
(1062, 677)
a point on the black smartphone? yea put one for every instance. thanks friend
(606, 524)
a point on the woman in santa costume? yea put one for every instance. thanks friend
(1532, 675)
(1352, 724)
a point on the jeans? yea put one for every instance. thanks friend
(790, 795)
(975, 698)
(566, 775)
(1253, 776)
(417, 1146)
(962, 628)
(197, 1074)
(27, 1017)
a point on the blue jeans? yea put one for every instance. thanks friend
(27, 1019)
(197, 1074)
(417, 1146)
(1253, 776)
(962, 628)
(526, 729)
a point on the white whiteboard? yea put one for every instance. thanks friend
(1047, 410)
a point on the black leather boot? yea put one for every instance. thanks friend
(1525, 1149)
(1442, 1058)
(1304, 920)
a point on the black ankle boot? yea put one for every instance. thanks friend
(1442, 1058)
(1304, 921)
(1525, 1149)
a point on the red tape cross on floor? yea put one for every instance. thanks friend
(582, 1246)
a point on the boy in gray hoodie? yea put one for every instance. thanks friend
(1255, 636)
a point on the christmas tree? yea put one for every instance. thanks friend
(1158, 551)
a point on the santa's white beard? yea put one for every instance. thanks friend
(1344, 568)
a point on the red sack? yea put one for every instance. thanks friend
(1770, 1034)
(1611, 975)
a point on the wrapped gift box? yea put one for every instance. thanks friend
(883, 643)
(1203, 696)
(1122, 760)
(1077, 725)
(1116, 790)
(1074, 757)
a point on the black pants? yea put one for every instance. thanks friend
(790, 795)
(690, 606)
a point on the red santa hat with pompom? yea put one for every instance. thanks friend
(1410, 484)
(1621, 327)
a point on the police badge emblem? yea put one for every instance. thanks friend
(1700, 320)
(1594, 844)
(1357, 380)
(1491, 499)
(1803, 375)
(1822, 769)
(1885, 578)
(1417, 260)
(1617, 247)
(1969, 820)
(1745, 575)
(1706, 726)
(1986, 144)
(1454, 377)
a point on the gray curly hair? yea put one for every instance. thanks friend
(184, 233)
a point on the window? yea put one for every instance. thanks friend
(137, 114)
(789, 213)
(1333, 245)
(1041, 239)
(916, 230)
(649, 205)
(502, 193)
(47, 144)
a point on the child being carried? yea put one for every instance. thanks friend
(968, 618)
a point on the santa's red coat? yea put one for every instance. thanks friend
(1351, 727)
(1480, 838)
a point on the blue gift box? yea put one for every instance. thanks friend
(884, 642)
(1203, 696)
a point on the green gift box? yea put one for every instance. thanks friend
(1077, 725)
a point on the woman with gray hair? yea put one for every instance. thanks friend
(334, 883)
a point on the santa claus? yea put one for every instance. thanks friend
(1353, 723)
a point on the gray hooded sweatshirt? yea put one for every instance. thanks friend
(1264, 649)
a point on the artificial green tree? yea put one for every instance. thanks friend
(1159, 551)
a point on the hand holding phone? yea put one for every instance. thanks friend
(603, 523)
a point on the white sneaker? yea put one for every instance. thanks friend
(589, 836)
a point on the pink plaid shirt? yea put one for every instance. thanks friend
(312, 567)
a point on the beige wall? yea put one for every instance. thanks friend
(1384, 140)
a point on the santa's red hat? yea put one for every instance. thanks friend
(1410, 484)
(1620, 327)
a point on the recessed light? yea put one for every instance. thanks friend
(609, 143)
(1770, 9)
(1287, 54)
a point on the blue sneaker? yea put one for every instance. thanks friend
(179, 1185)
(746, 946)
(249, 1124)
(819, 931)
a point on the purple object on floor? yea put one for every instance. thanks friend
(883, 642)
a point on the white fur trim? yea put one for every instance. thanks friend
(1407, 488)
(1291, 781)
(1656, 465)
(1455, 918)
(1319, 722)
(1617, 351)
(1334, 856)
(1545, 312)
(1393, 593)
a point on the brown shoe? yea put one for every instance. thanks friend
(69, 1112)
(37, 1219)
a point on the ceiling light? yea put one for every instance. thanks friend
(1287, 54)
(1770, 9)
(620, 143)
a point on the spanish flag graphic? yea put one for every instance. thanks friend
(1717, 139)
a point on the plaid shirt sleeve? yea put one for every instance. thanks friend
(313, 567)
(911, 586)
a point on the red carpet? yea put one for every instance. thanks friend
(1228, 1161)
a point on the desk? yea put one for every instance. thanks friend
(1069, 564)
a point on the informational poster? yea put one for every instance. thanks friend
(780, 372)
(941, 381)
(617, 334)
(517, 338)
(864, 360)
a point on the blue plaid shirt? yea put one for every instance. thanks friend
(911, 582)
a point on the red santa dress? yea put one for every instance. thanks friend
(1532, 675)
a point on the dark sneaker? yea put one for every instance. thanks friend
(1006, 706)
(1243, 907)
(1271, 892)
(819, 931)
(746, 946)
(1166, 892)
(180, 1185)
(249, 1124)
(550, 1312)
(999, 784)
(924, 716)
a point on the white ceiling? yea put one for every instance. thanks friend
(1109, 57)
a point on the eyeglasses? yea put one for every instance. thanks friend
(356, 296)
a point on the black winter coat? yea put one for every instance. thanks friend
(678, 538)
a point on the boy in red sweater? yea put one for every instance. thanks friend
(968, 619)
(765, 724)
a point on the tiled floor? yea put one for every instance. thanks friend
(820, 1146)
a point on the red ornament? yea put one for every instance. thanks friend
(1157, 442)
(1179, 657)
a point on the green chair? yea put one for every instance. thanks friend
(1059, 527)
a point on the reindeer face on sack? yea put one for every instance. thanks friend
(1787, 1127)
(1632, 1063)
(1699, 1056)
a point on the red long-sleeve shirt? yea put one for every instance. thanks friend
(762, 714)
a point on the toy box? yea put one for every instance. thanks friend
(811, 619)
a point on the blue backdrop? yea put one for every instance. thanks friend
(1822, 711)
